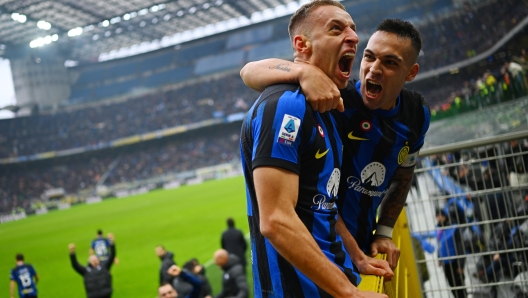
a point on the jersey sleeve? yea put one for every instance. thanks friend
(93, 244)
(12, 275)
(32, 270)
(425, 127)
(277, 131)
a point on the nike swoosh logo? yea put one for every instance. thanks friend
(319, 155)
(352, 137)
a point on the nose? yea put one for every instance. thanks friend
(375, 67)
(351, 36)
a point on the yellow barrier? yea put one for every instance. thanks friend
(406, 282)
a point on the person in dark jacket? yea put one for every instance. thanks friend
(234, 242)
(234, 283)
(96, 276)
(450, 246)
(189, 278)
(194, 266)
(166, 262)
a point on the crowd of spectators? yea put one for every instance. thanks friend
(20, 186)
(468, 32)
(200, 100)
(491, 197)
(446, 40)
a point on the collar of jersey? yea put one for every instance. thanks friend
(381, 112)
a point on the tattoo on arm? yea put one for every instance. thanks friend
(394, 200)
(281, 66)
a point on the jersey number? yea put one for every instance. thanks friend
(25, 279)
(101, 250)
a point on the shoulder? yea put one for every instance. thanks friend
(413, 101)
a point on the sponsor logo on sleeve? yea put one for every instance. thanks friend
(289, 130)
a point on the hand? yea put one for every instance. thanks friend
(386, 246)
(375, 267)
(110, 237)
(496, 257)
(71, 247)
(320, 91)
(174, 270)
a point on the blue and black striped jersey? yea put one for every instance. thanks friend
(376, 143)
(24, 276)
(281, 130)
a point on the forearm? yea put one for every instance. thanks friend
(111, 258)
(76, 266)
(356, 254)
(12, 288)
(277, 193)
(307, 256)
(263, 73)
(394, 200)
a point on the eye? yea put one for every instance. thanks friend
(335, 27)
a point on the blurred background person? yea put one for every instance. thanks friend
(96, 276)
(234, 283)
(25, 276)
(234, 242)
(167, 260)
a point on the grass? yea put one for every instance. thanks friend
(187, 221)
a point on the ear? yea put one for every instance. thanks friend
(413, 72)
(301, 44)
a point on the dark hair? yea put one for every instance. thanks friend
(99, 232)
(404, 30)
(297, 20)
(19, 257)
(189, 265)
(230, 223)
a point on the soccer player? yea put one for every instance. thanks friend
(384, 128)
(292, 158)
(100, 247)
(25, 276)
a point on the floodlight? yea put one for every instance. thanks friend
(43, 25)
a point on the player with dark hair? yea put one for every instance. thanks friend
(383, 129)
(25, 276)
(100, 247)
(292, 158)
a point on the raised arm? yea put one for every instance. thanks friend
(76, 266)
(389, 211)
(365, 264)
(277, 193)
(321, 92)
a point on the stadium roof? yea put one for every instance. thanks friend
(85, 29)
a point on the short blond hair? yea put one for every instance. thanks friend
(298, 19)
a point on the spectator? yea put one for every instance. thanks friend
(234, 242)
(194, 267)
(96, 276)
(450, 246)
(166, 262)
(167, 291)
(234, 283)
(188, 277)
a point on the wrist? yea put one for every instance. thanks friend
(383, 232)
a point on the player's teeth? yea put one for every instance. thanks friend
(345, 73)
(373, 83)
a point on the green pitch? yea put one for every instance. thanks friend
(187, 221)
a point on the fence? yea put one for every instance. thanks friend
(467, 212)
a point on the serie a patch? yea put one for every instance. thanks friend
(289, 130)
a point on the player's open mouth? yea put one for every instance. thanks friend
(345, 63)
(373, 88)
